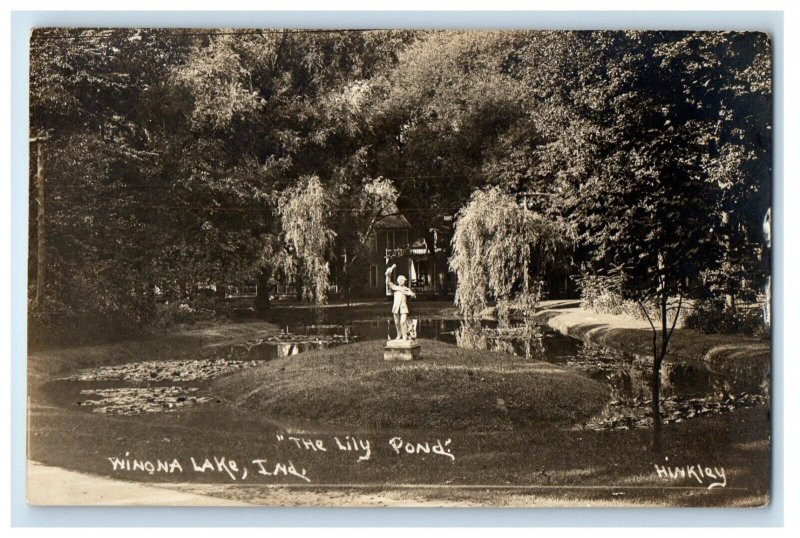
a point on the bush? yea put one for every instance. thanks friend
(171, 315)
(603, 295)
(87, 305)
(714, 317)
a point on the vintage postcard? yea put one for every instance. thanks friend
(399, 268)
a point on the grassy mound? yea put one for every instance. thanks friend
(451, 388)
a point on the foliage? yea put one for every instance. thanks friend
(715, 317)
(663, 150)
(305, 211)
(501, 249)
(454, 115)
(602, 294)
(171, 152)
(360, 209)
(654, 130)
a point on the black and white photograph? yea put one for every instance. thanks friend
(399, 267)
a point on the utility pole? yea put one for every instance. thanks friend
(40, 237)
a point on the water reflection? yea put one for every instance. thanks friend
(525, 340)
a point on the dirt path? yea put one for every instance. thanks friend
(53, 486)
(630, 335)
(58, 487)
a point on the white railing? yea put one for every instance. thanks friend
(406, 251)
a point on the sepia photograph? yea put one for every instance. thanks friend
(399, 267)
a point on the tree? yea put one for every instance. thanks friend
(437, 113)
(177, 144)
(501, 250)
(642, 167)
(287, 105)
(306, 215)
(729, 75)
(360, 209)
(321, 223)
(96, 92)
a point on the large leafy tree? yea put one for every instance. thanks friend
(359, 210)
(437, 114)
(285, 105)
(651, 156)
(729, 75)
(187, 141)
(98, 94)
(169, 151)
(501, 250)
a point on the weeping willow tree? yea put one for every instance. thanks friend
(501, 252)
(306, 211)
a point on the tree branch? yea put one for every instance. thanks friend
(652, 325)
(677, 313)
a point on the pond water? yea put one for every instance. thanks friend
(689, 389)
(627, 376)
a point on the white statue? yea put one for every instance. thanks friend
(400, 305)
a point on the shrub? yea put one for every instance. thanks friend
(61, 326)
(170, 315)
(713, 316)
(603, 295)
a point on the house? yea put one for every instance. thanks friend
(420, 255)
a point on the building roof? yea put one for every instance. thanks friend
(394, 220)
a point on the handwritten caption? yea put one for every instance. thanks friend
(361, 448)
(712, 477)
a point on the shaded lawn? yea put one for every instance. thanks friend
(450, 388)
(543, 456)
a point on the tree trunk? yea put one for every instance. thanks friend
(40, 250)
(151, 293)
(346, 271)
(656, 405)
(221, 290)
(658, 359)
(262, 302)
(347, 286)
(659, 353)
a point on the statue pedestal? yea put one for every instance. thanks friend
(401, 350)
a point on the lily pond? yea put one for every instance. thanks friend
(689, 389)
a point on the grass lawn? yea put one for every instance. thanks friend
(451, 388)
(351, 392)
(573, 466)
(509, 423)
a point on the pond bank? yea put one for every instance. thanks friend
(720, 351)
(196, 343)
